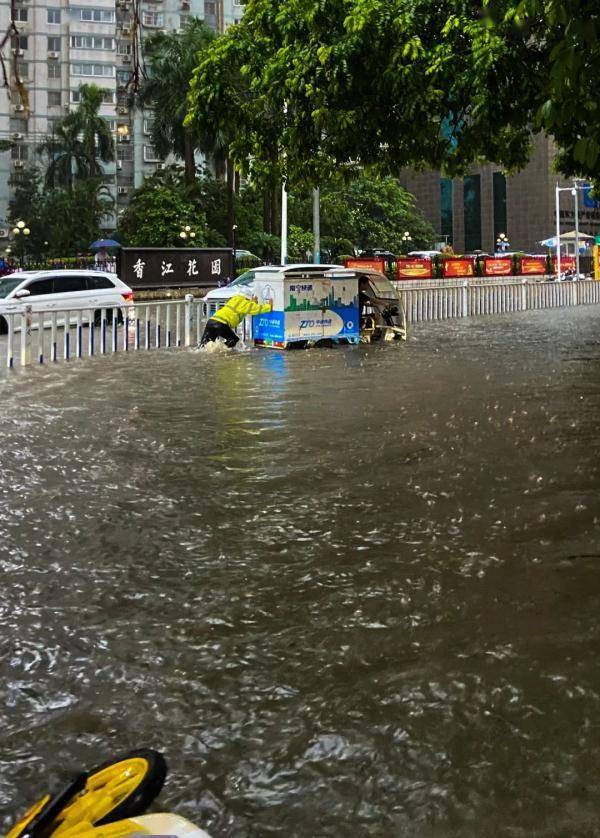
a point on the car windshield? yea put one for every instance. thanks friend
(246, 278)
(9, 283)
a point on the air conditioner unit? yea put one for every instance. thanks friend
(160, 166)
(124, 138)
(19, 164)
(18, 52)
(126, 59)
(119, 164)
(19, 108)
(123, 111)
(122, 190)
(185, 4)
(3, 234)
(17, 136)
(126, 30)
(53, 55)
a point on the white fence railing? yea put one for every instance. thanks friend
(469, 300)
(52, 335)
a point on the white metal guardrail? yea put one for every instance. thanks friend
(51, 335)
(469, 300)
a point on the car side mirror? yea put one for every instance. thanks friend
(22, 292)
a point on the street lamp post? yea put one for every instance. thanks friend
(574, 190)
(406, 238)
(502, 243)
(20, 232)
(233, 232)
(187, 233)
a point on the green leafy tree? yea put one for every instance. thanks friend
(158, 212)
(96, 136)
(364, 213)
(67, 219)
(431, 83)
(171, 59)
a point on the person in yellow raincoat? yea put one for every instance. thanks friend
(224, 322)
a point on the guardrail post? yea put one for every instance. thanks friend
(574, 298)
(464, 306)
(10, 359)
(26, 336)
(524, 295)
(189, 299)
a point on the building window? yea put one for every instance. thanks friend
(54, 99)
(183, 21)
(150, 156)
(19, 152)
(108, 97)
(53, 15)
(124, 152)
(210, 8)
(53, 70)
(500, 217)
(21, 15)
(20, 42)
(53, 44)
(447, 216)
(23, 69)
(147, 127)
(472, 212)
(97, 15)
(153, 18)
(92, 69)
(124, 48)
(123, 77)
(91, 42)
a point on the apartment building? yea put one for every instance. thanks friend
(471, 213)
(60, 45)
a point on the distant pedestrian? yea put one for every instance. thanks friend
(101, 259)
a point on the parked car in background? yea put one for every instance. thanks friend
(62, 290)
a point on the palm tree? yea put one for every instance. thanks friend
(171, 60)
(80, 142)
(96, 136)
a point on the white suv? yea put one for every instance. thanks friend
(67, 290)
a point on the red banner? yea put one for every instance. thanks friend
(461, 267)
(567, 263)
(358, 263)
(414, 268)
(533, 265)
(498, 266)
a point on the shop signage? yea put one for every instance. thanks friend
(498, 266)
(458, 267)
(176, 267)
(415, 268)
(357, 263)
(533, 265)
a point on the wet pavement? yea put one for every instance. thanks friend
(347, 592)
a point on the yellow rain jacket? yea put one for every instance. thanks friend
(238, 307)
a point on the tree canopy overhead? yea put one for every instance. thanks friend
(327, 84)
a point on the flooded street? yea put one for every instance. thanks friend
(347, 592)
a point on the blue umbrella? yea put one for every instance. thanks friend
(99, 243)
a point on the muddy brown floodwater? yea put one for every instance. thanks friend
(347, 592)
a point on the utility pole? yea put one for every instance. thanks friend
(284, 224)
(316, 227)
(557, 232)
(576, 199)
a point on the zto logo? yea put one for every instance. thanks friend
(350, 324)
